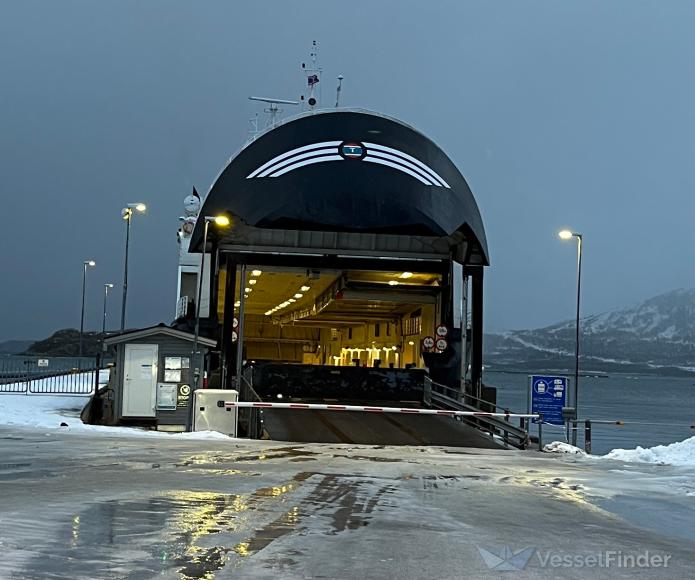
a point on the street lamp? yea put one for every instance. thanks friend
(568, 235)
(221, 221)
(85, 265)
(106, 295)
(127, 214)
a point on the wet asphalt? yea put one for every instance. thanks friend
(77, 505)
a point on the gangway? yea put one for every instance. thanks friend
(435, 414)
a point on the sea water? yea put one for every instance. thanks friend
(656, 410)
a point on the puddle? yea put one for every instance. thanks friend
(143, 538)
(374, 459)
(215, 471)
(194, 534)
(278, 453)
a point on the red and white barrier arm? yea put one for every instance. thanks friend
(364, 409)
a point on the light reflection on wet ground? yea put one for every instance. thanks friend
(194, 533)
(181, 513)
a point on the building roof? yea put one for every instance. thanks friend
(346, 171)
(161, 330)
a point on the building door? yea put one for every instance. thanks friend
(140, 380)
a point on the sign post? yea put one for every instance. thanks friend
(548, 396)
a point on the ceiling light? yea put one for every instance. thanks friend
(305, 288)
(393, 348)
(269, 313)
(292, 300)
(246, 295)
(252, 281)
(393, 282)
(411, 343)
(256, 272)
(298, 295)
(247, 290)
(405, 275)
(237, 304)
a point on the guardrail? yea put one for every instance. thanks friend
(495, 423)
(575, 424)
(49, 376)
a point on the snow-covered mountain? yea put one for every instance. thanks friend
(657, 334)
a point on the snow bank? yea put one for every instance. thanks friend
(562, 447)
(681, 453)
(49, 411)
(41, 410)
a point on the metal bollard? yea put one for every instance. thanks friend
(587, 436)
(575, 432)
(540, 431)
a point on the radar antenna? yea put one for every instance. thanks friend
(272, 109)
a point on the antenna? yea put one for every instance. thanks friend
(313, 76)
(338, 89)
(273, 110)
(253, 131)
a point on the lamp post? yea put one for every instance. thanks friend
(85, 265)
(568, 235)
(127, 214)
(106, 295)
(220, 221)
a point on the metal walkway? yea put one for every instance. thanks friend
(374, 429)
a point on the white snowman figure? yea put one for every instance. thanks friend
(191, 207)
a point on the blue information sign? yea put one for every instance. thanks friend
(549, 396)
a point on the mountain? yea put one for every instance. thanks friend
(14, 346)
(66, 342)
(657, 335)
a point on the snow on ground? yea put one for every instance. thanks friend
(49, 411)
(681, 453)
(562, 447)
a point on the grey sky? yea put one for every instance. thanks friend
(574, 113)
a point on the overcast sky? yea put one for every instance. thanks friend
(559, 113)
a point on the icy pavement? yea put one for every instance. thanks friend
(99, 502)
(78, 506)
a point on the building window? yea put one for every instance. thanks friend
(412, 326)
(377, 329)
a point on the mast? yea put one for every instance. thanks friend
(313, 76)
